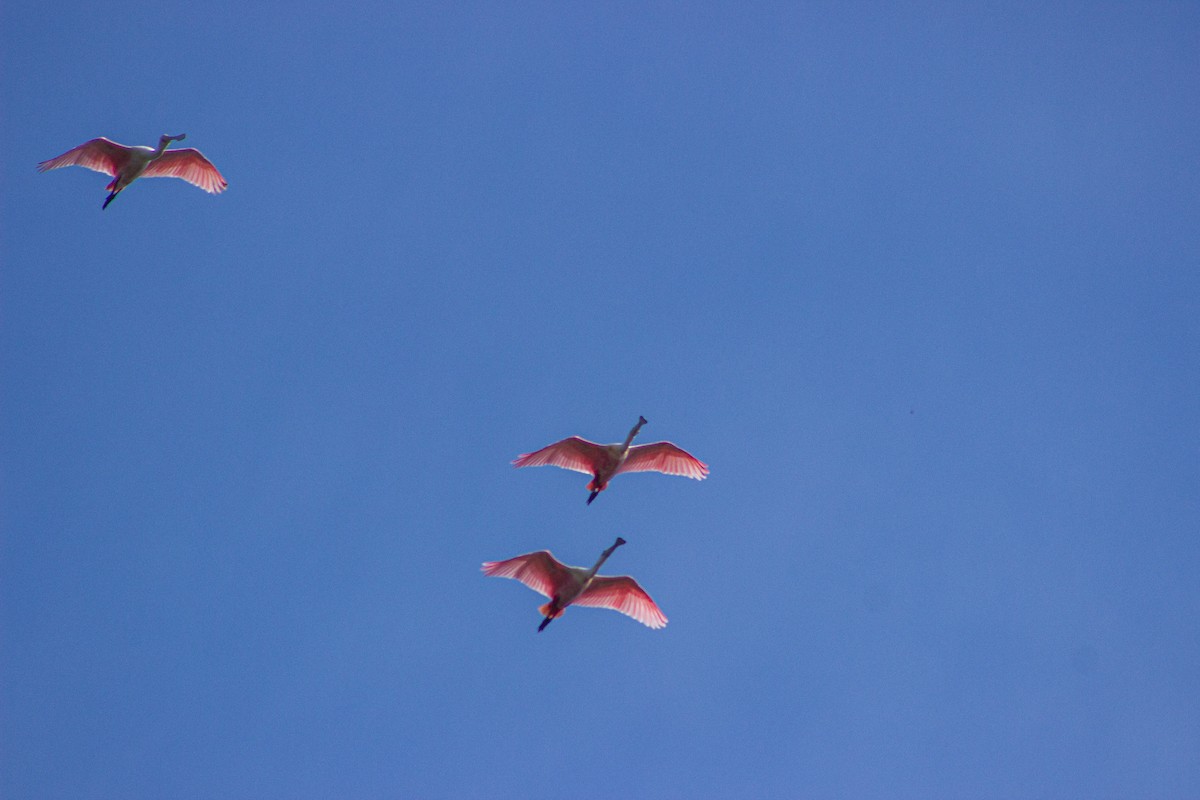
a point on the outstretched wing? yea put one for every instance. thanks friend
(572, 453)
(101, 155)
(539, 571)
(663, 457)
(622, 593)
(189, 164)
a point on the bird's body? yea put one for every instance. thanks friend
(566, 585)
(604, 461)
(126, 164)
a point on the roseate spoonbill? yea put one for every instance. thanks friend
(603, 461)
(566, 586)
(127, 164)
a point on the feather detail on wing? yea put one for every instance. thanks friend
(571, 453)
(190, 165)
(100, 154)
(539, 571)
(663, 457)
(623, 594)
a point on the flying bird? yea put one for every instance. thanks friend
(603, 461)
(566, 586)
(127, 164)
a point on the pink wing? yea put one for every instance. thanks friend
(539, 571)
(572, 453)
(666, 458)
(190, 165)
(622, 594)
(101, 155)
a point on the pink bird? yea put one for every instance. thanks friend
(603, 461)
(566, 586)
(127, 164)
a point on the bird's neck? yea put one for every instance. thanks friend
(603, 557)
(632, 433)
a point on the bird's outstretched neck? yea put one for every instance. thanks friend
(629, 440)
(604, 557)
(165, 140)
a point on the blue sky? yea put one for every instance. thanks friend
(919, 283)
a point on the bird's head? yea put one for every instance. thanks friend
(620, 542)
(167, 138)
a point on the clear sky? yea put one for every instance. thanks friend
(919, 282)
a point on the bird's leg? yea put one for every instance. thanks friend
(109, 199)
(552, 611)
(596, 486)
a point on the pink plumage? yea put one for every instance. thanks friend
(604, 461)
(566, 585)
(126, 164)
(188, 164)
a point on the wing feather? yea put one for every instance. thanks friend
(539, 571)
(571, 453)
(189, 164)
(623, 594)
(666, 458)
(100, 154)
